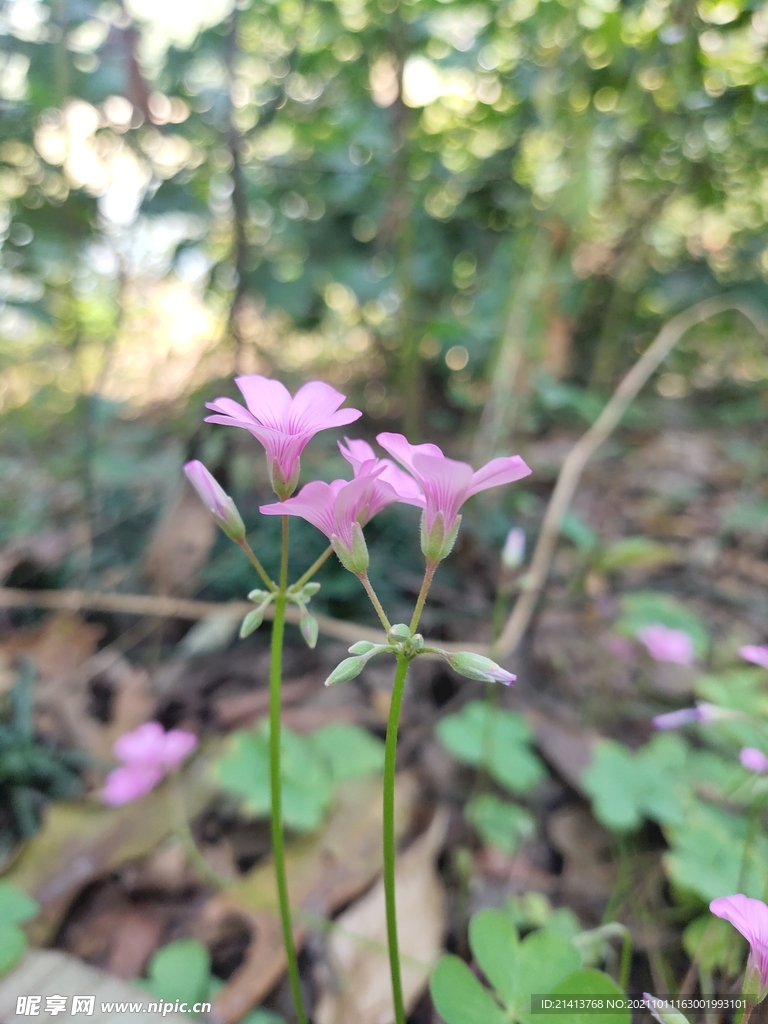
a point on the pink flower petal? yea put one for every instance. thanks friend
(498, 472)
(665, 644)
(177, 746)
(753, 760)
(314, 408)
(130, 782)
(750, 917)
(143, 745)
(757, 655)
(267, 399)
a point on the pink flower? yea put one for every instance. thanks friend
(148, 752)
(754, 760)
(359, 455)
(340, 510)
(446, 485)
(218, 503)
(702, 713)
(284, 425)
(130, 782)
(750, 917)
(665, 644)
(757, 655)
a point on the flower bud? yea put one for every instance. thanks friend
(400, 631)
(663, 1011)
(309, 628)
(437, 542)
(218, 503)
(362, 647)
(513, 552)
(476, 666)
(346, 670)
(354, 558)
(308, 591)
(251, 622)
(257, 596)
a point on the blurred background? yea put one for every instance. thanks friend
(471, 218)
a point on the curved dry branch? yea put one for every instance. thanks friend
(582, 451)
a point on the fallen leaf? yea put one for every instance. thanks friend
(57, 647)
(52, 973)
(81, 841)
(325, 871)
(180, 545)
(357, 947)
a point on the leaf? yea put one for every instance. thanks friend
(306, 776)
(495, 945)
(636, 552)
(648, 607)
(583, 983)
(498, 822)
(13, 942)
(627, 787)
(262, 1016)
(495, 738)
(707, 854)
(349, 750)
(544, 959)
(459, 997)
(180, 970)
(15, 905)
(714, 944)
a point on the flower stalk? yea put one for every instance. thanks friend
(275, 706)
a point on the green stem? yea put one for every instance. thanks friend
(390, 757)
(363, 577)
(257, 564)
(278, 848)
(626, 960)
(421, 600)
(311, 570)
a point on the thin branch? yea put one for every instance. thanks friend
(585, 447)
(185, 608)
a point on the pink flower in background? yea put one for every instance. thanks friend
(446, 484)
(513, 552)
(757, 655)
(753, 759)
(702, 713)
(148, 752)
(750, 917)
(340, 510)
(359, 455)
(665, 644)
(130, 782)
(216, 500)
(284, 425)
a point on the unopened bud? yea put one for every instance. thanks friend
(309, 628)
(251, 622)
(662, 1011)
(257, 596)
(348, 669)
(400, 631)
(437, 541)
(476, 666)
(216, 500)
(513, 552)
(362, 647)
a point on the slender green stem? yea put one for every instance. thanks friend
(311, 570)
(278, 848)
(363, 577)
(257, 564)
(390, 757)
(426, 583)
